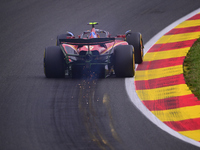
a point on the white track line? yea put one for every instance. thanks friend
(130, 86)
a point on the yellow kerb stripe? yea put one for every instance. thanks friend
(163, 92)
(151, 56)
(194, 134)
(178, 114)
(158, 73)
(188, 23)
(178, 37)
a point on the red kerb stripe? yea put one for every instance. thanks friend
(184, 125)
(183, 30)
(160, 82)
(197, 16)
(155, 64)
(172, 102)
(170, 46)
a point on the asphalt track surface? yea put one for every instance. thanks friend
(58, 114)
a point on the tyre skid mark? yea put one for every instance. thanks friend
(87, 106)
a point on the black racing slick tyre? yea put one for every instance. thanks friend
(124, 62)
(54, 64)
(135, 39)
(61, 36)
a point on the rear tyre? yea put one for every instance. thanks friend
(54, 64)
(61, 36)
(135, 39)
(124, 62)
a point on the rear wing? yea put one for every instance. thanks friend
(94, 41)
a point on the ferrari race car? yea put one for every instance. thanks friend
(92, 55)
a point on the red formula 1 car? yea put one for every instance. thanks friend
(90, 54)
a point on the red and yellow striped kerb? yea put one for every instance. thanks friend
(160, 82)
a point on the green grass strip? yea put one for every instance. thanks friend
(192, 69)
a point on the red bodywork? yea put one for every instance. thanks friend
(102, 49)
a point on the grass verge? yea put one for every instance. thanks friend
(192, 69)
